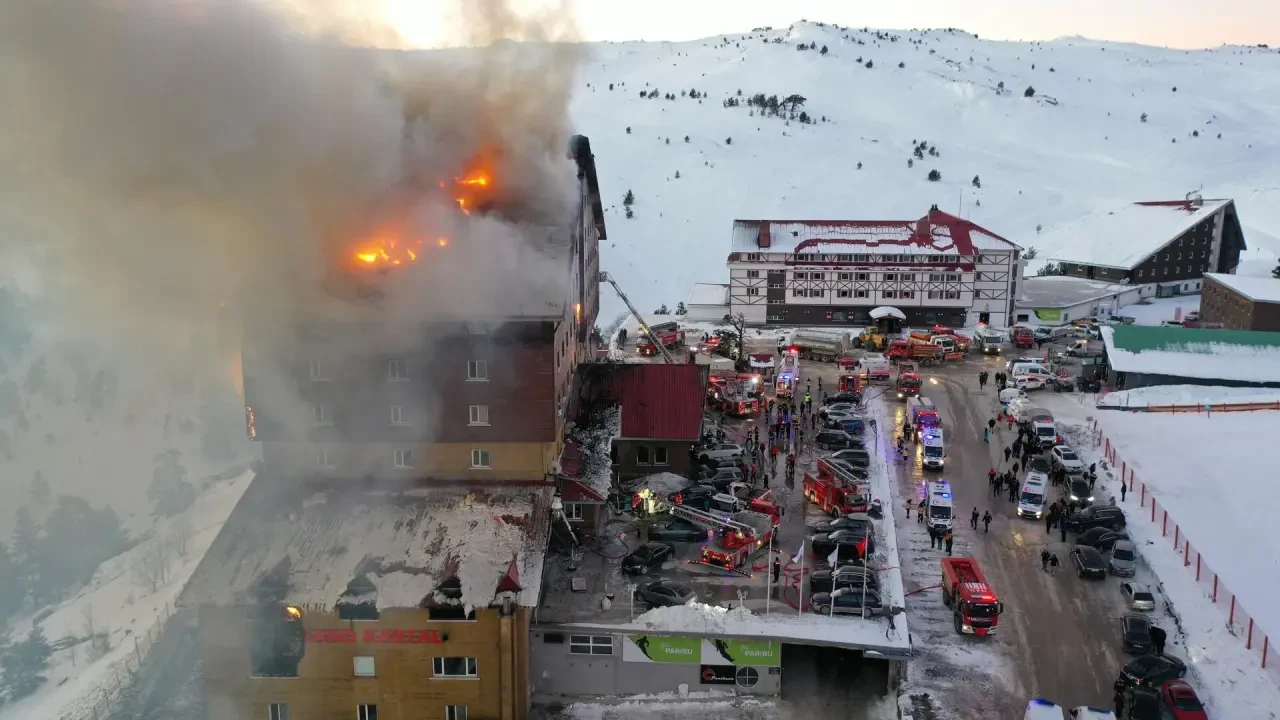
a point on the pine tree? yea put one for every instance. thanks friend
(26, 548)
(1000, 87)
(1031, 251)
(677, 174)
(1029, 92)
(1275, 272)
(13, 587)
(686, 138)
(628, 199)
(628, 129)
(24, 664)
(823, 51)
(977, 182)
(728, 141)
(1143, 118)
(629, 213)
(934, 176)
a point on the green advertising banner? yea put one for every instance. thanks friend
(760, 653)
(1049, 314)
(653, 648)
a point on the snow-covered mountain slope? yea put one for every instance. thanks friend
(1077, 146)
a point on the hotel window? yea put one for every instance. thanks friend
(643, 456)
(906, 277)
(1179, 257)
(479, 415)
(953, 277)
(477, 371)
(454, 667)
(936, 277)
(817, 293)
(906, 294)
(842, 293)
(366, 712)
(935, 294)
(278, 711)
(397, 371)
(800, 276)
(573, 511)
(859, 293)
(753, 274)
(889, 294)
(397, 415)
(363, 666)
(953, 295)
(321, 415)
(402, 459)
(590, 644)
(317, 371)
(1140, 273)
(845, 276)
(890, 277)
(659, 456)
(817, 276)
(861, 277)
(455, 712)
(753, 291)
(797, 293)
(480, 459)
(776, 301)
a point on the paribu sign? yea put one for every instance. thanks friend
(701, 651)
(386, 637)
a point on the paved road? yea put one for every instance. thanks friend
(1058, 636)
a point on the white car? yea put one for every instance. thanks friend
(1138, 596)
(1064, 457)
(1084, 712)
(1010, 394)
(720, 451)
(1027, 383)
(838, 408)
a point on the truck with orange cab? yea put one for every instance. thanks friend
(850, 382)
(735, 394)
(668, 333)
(925, 353)
(897, 350)
(744, 534)
(836, 491)
(975, 608)
(908, 384)
(1023, 336)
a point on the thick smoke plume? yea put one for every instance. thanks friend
(168, 167)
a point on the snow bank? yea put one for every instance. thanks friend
(1187, 395)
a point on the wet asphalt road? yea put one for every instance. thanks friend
(1058, 637)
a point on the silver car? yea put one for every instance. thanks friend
(1138, 596)
(1124, 559)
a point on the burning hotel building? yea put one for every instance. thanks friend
(385, 562)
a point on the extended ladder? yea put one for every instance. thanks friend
(709, 520)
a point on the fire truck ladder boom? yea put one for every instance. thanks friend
(708, 520)
(644, 326)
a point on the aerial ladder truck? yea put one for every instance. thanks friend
(644, 326)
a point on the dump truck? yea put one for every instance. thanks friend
(975, 608)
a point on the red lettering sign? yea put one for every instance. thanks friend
(374, 637)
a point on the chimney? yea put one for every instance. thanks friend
(762, 238)
(924, 228)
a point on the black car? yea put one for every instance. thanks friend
(1106, 516)
(695, 496)
(850, 576)
(1088, 562)
(833, 440)
(849, 601)
(1038, 463)
(843, 397)
(1142, 705)
(647, 556)
(676, 530)
(1078, 491)
(1150, 672)
(859, 473)
(665, 593)
(861, 524)
(824, 543)
(1100, 538)
(1135, 633)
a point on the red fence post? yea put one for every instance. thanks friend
(1131, 478)
(1164, 523)
(1248, 643)
(1197, 566)
(1107, 453)
(1144, 495)
(1124, 469)
(1266, 645)
(1231, 617)
(1177, 532)
(1153, 509)
(1186, 554)
(1215, 587)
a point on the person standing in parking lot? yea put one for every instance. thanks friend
(986, 521)
(1124, 488)
(1053, 564)
(950, 539)
(1007, 452)
(1157, 639)
(973, 519)
(1044, 560)
(1062, 527)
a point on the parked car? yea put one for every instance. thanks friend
(851, 576)
(1124, 559)
(1180, 700)
(1084, 712)
(1038, 463)
(1150, 672)
(647, 556)
(719, 477)
(695, 496)
(1138, 596)
(836, 409)
(833, 440)
(857, 457)
(676, 530)
(846, 600)
(1029, 383)
(1107, 516)
(1088, 562)
(1141, 704)
(861, 524)
(665, 593)
(1101, 539)
(824, 543)
(1135, 633)
(842, 397)
(720, 451)
(1078, 491)
(857, 449)
(1042, 709)
(858, 472)
(1064, 457)
(851, 424)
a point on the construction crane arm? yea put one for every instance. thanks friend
(644, 326)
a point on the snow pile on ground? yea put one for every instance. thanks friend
(1211, 487)
(651, 709)
(1187, 395)
(662, 483)
(129, 598)
(937, 87)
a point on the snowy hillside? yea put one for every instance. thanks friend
(1078, 145)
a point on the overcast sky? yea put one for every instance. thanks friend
(1175, 23)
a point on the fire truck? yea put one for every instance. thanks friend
(908, 384)
(788, 373)
(974, 605)
(668, 333)
(836, 491)
(1023, 337)
(735, 394)
(739, 536)
(921, 352)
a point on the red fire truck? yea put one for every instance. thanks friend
(668, 333)
(735, 394)
(739, 536)
(974, 605)
(836, 491)
(1023, 336)
(908, 384)
(851, 383)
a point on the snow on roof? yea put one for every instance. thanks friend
(1124, 236)
(1212, 490)
(1254, 287)
(406, 542)
(586, 455)
(1215, 395)
(937, 233)
(1235, 355)
(1060, 291)
(709, 294)
(663, 483)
